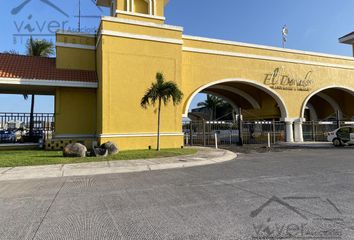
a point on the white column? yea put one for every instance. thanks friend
(299, 137)
(289, 132)
(128, 5)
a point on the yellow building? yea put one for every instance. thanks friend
(134, 43)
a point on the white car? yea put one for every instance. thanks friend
(341, 136)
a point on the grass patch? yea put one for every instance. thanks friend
(14, 158)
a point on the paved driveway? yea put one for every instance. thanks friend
(306, 194)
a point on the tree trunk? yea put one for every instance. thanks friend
(31, 118)
(158, 125)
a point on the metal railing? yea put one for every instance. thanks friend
(316, 131)
(204, 133)
(256, 132)
(14, 127)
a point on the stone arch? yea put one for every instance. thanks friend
(327, 98)
(271, 92)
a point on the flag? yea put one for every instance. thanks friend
(285, 33)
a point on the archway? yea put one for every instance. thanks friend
(245, 91)
(327, 101)
(259, 104)
(324, 110)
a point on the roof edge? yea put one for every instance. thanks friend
(46, 82)
(347, 39)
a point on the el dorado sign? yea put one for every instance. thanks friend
(280, 80)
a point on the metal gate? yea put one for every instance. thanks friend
(206, 133)
(14, 127)
(316, 131)
(258, 132)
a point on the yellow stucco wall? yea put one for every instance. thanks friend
(140, 11)
(71, 53)
(128, 68)
(141, 18)
(160, 4)
(200, 69)
(141, 6)
(75, 111)
(100, 95)
(127, 59)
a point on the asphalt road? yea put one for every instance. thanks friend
(297, 194)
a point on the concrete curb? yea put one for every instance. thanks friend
(205, 156)
(307, 145)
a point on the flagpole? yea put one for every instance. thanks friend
(79, 30)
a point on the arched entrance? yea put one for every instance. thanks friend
(325, 110)
(263, 110)
(246, 94)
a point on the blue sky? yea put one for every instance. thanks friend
(314, 25)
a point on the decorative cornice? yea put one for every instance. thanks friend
(141, 37)
(140, 15)
(142, 23)
(267, 58)
(79, 34)
(225, 42)
(73, 45)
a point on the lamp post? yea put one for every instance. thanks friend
(240, 140)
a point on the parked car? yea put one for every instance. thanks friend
(7, 136)
(341, 136)
(37, 135)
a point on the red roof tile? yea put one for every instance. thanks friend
(40, 68)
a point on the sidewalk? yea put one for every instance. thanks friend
(205, 156)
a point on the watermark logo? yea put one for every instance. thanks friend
(296, 218)
(27, 23)
(18, 8)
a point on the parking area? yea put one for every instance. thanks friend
(287, 194)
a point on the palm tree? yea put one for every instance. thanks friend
(39, 48)
(211, 103)
(161, 91)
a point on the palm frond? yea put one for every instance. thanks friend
(41, 48)
(162, 89)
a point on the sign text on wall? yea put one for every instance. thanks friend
(278, 79)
